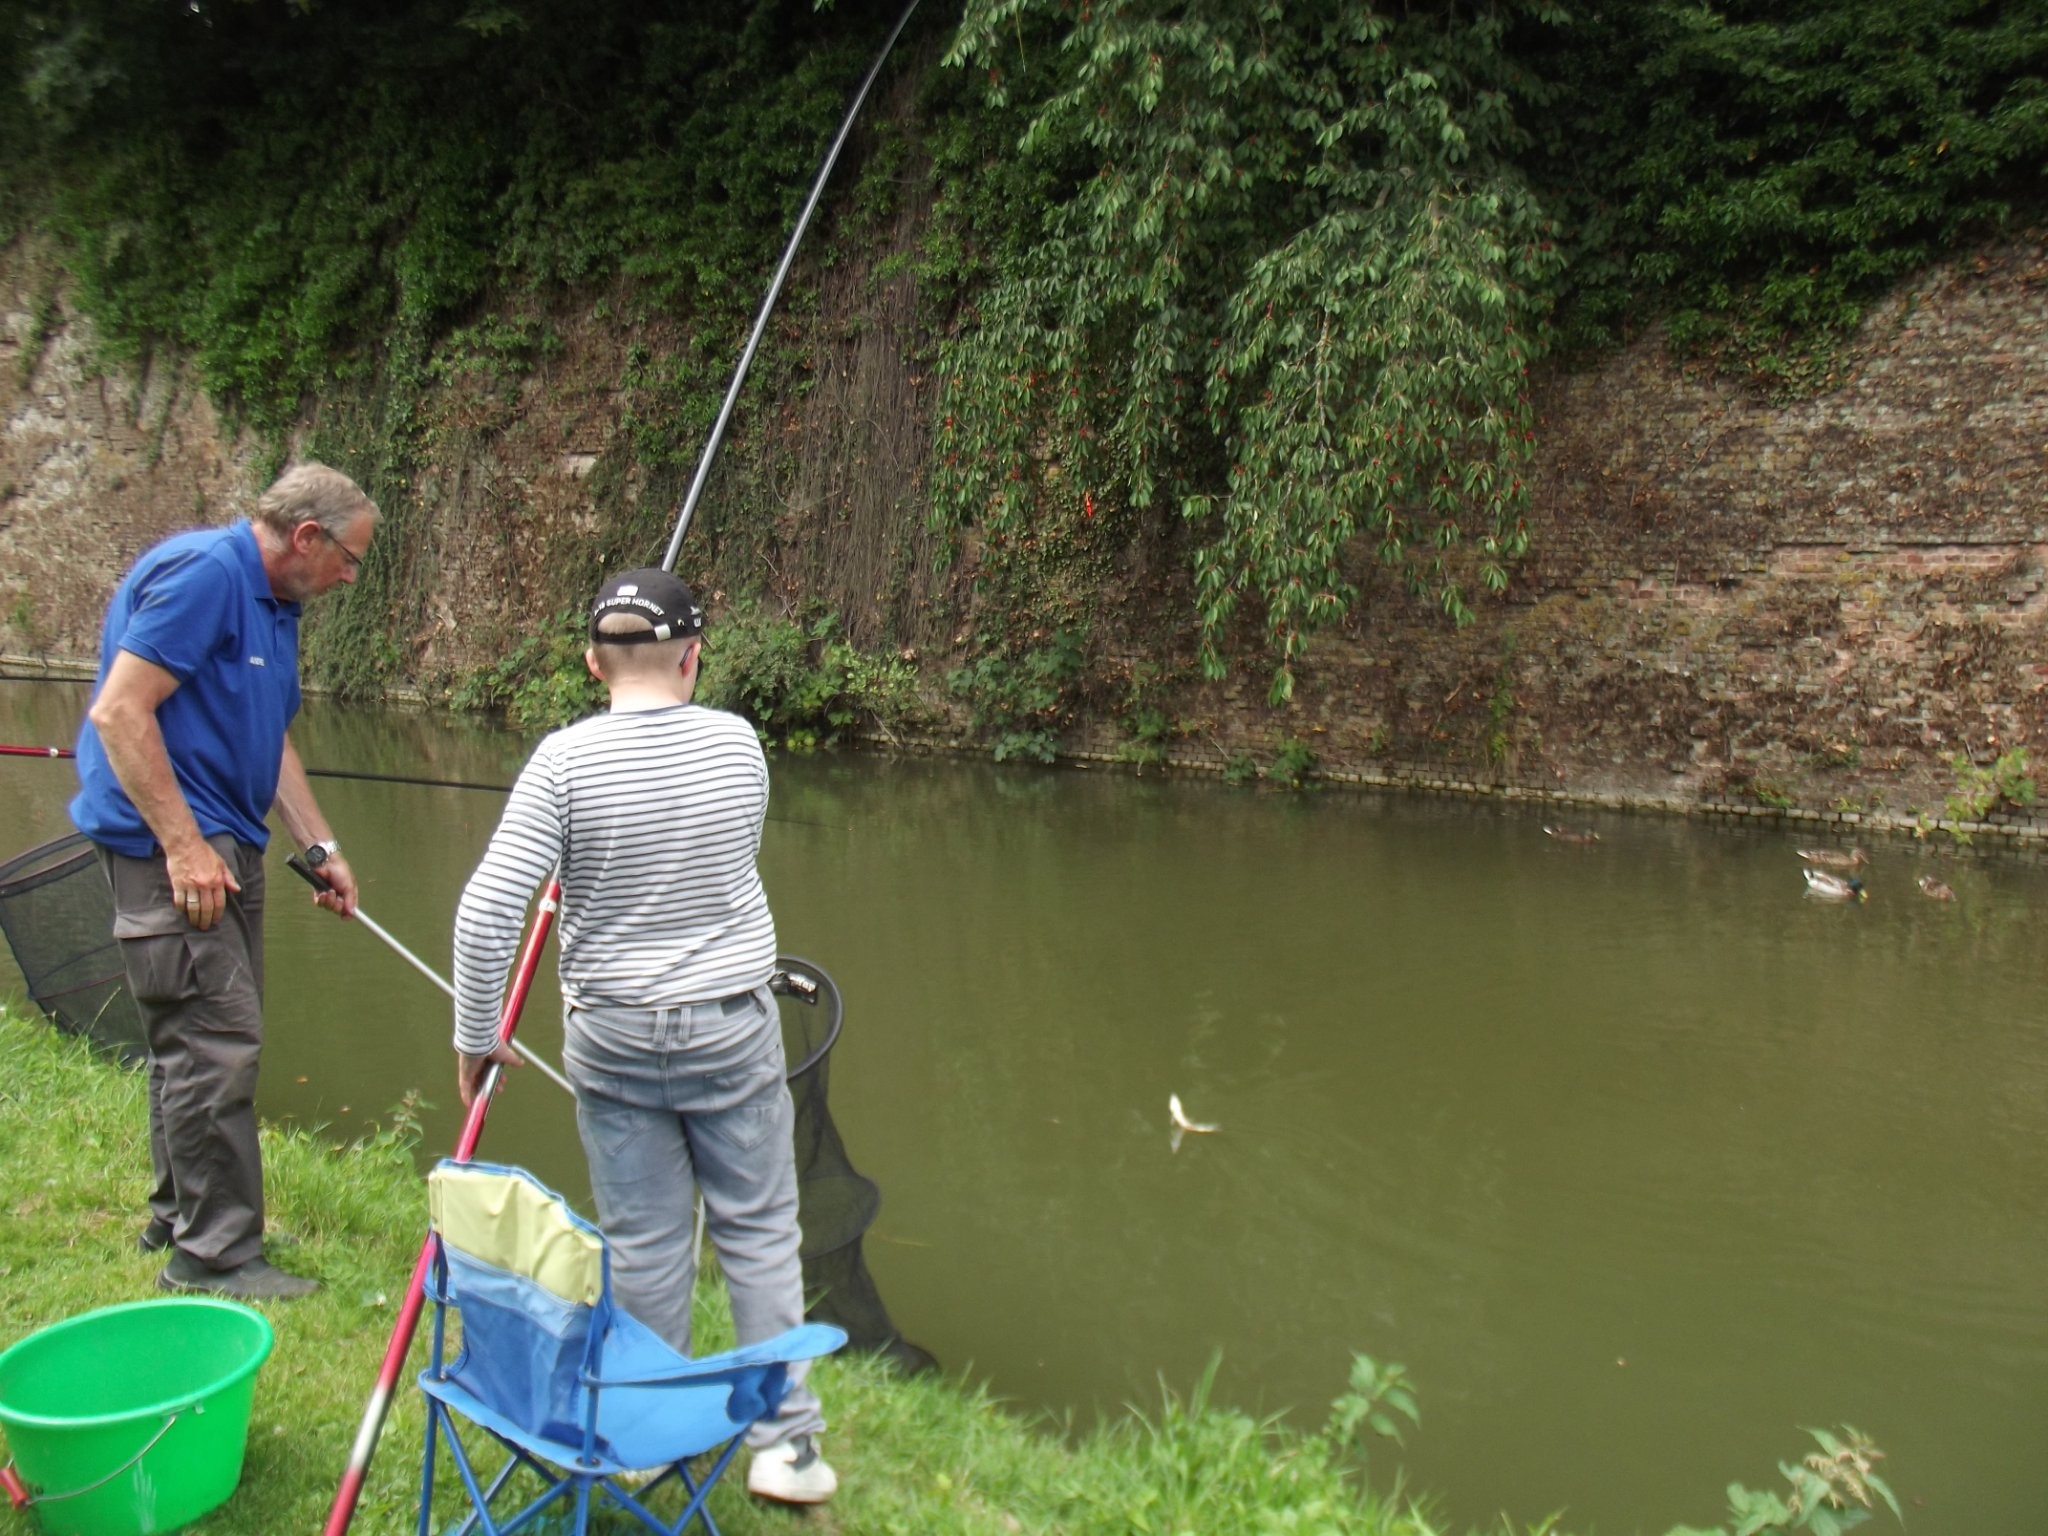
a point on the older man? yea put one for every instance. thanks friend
(184, 751)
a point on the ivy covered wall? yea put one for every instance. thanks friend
(1143, 355)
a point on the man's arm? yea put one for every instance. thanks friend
(124, 715)
(300, 813)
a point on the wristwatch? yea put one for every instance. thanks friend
(321, 852)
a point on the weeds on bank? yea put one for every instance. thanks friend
(2006, 781)
(1020, 701)
(803, 685)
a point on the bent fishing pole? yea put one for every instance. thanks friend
(374, 1414)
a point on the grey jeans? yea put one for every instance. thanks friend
(671, 1099)
(200, 996)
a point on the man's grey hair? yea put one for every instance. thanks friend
(312, 492)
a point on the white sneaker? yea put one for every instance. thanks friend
(792, 1473)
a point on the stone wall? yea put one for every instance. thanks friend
(95, 463)
(1729, 604)
(1732, 604)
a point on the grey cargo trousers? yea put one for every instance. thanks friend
(200, 996)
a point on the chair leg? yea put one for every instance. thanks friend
(427, 1475)
(699, 1508)
(480, 1497)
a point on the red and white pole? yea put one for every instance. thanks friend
(379, 1406)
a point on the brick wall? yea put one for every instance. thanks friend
(1729, 604)
(1732, 604)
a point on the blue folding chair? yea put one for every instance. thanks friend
(573, 1389)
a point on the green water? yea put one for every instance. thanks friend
(1637, 1158)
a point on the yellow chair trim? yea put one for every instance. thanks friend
(509, 1223)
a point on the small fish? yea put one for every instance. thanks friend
(1181, 1122)
(1833, 887)
(1936, 889)
(1568, 835)
(1834, 858)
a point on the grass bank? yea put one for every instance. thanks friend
(914, 1455)
(923, 1456)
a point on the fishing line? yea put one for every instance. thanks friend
(12, 750)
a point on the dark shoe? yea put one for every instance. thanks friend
(155, 1237)
(256, 1280)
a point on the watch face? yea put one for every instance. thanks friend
(317, 855)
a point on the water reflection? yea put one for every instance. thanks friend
(1636, 1157)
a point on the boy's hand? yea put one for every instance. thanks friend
(470, 1070)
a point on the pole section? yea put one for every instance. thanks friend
(379, 1407)
(803, 220)
(314, 878)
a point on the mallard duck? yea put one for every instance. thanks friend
(1833, 887)
(1936, 889)
(1567, 835)
(1834, 858)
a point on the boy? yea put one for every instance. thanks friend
(653, 813)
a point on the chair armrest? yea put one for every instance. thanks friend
(806, 1341)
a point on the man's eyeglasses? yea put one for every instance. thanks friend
(355, 561)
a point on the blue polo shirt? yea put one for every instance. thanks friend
(199, 606)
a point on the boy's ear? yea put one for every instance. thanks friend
(590, 661)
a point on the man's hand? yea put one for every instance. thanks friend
(340, 895)
(200, 882)
(470, 1070)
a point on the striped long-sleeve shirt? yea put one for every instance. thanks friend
(655, 819)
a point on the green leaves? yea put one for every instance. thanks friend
(1380, 1398)
(803, 685)
(1766, 168)
(1833, 1489)
(1295, 290)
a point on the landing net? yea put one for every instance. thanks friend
(58, 914)
(835, 1202)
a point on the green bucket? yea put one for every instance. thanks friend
(132, 1419)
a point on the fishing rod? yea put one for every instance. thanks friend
(739, 374)
(7, 750)
(318, 881)
(375, 1412)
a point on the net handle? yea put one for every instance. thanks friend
(812, 985)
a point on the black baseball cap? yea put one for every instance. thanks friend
(653, 594)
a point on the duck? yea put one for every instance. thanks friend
(1567, 835)
(1834, 858)
(1936, 889)
(1833, 887)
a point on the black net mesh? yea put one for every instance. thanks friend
(835, 1202)
(58, 915)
